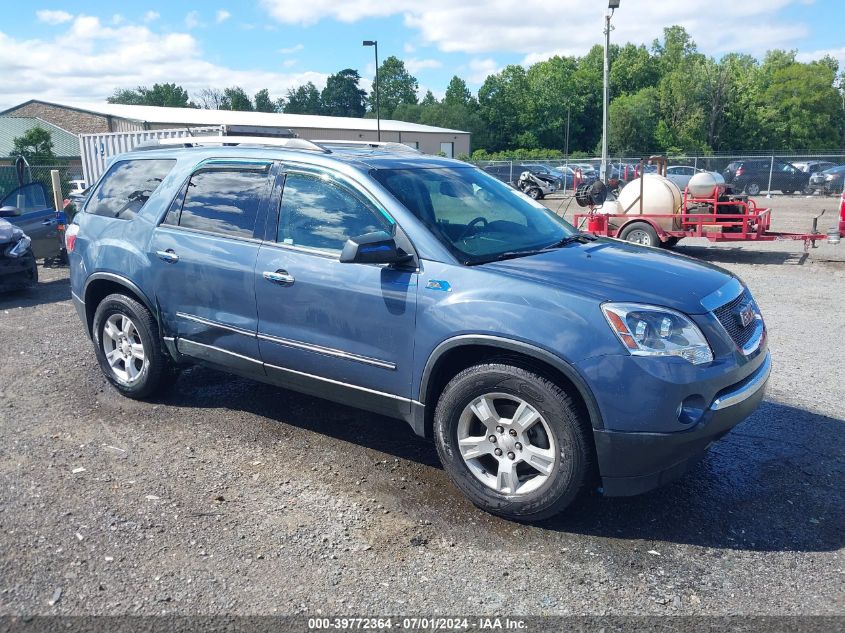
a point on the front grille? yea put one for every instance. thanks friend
(728, 316)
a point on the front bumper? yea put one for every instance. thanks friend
(17, 273)
(633, 462)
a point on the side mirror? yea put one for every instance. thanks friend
(9, 212)
(378, 247)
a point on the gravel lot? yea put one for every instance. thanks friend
(227, 496)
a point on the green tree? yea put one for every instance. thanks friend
(303, 100)
(395, 85)
(35, 145)
(168, 95)
(502, 101)
(342, 95)
(633, 69)
(806, 111)
(633, 120)
(236, 98)
(429, 99)
(263, 103)
(457, 93)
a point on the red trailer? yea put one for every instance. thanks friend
(722, 218)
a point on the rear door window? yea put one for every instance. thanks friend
(127, 186)
(224, 200)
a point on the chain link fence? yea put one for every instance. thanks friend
(39, 173)
(764, 172)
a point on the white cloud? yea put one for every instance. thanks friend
(480, 69)
(415, 65)
(717, 26)
(291, 50)
(192, 20)
(89, 59)
(53, 17)
(151, 16)
(221, 16)
(117, 18)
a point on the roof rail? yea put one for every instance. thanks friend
(383, 145)
(286, 143)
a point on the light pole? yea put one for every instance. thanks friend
(374, 43)
(612, 5)
(566, 145)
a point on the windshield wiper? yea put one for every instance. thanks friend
(569, 239)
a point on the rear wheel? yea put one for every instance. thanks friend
(752, 188)
(640, 233)
(512, 441)
(126, 343)
(534, 193)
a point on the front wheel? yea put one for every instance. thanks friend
(127, 346)
(534, 193)
(640, 233)
(512, 441)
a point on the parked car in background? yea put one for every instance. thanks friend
(828, 181)
(77, 187)
(589, 174)
(27, 208)
(751, 176)
(812, 166)
(420, 288)
(17, 261)
(681, 174)
(563, 177)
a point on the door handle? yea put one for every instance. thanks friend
(49, 222)
(282, 277)
(168, 256)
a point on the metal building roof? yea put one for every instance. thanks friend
(65, 144)
(194, 116)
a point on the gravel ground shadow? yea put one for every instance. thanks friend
(739, 255)
(46, 292)
(772, 484)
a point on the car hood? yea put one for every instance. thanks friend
(610, 270)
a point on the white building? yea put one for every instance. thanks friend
(87, 118)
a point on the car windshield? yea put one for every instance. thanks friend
(478, 218)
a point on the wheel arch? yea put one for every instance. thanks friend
(456, 354)
(99, 285)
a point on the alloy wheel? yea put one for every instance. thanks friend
(506, 443)
(123, 347)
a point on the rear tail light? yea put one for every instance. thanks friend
(70, 237)
(739, 172)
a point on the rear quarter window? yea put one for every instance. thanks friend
(127, 186)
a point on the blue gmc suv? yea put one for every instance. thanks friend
(537, 357)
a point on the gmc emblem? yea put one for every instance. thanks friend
(746, 315)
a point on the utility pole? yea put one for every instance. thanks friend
(612, 5)
(566, 145)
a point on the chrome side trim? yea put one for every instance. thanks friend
(339, 383)
(188, 341)
(328, 351)
(723, 295)
(751, 386)
(210, 323)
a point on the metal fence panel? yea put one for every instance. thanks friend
(98, 149)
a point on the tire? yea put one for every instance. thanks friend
(640, 233)
(671, 242)
(560, 445)
(534, 193)
(752, 188)
(133, 376)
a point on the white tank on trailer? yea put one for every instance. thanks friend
(707, 184)
(661, 196)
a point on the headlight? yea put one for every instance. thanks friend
(20, 248)
(647, 330)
